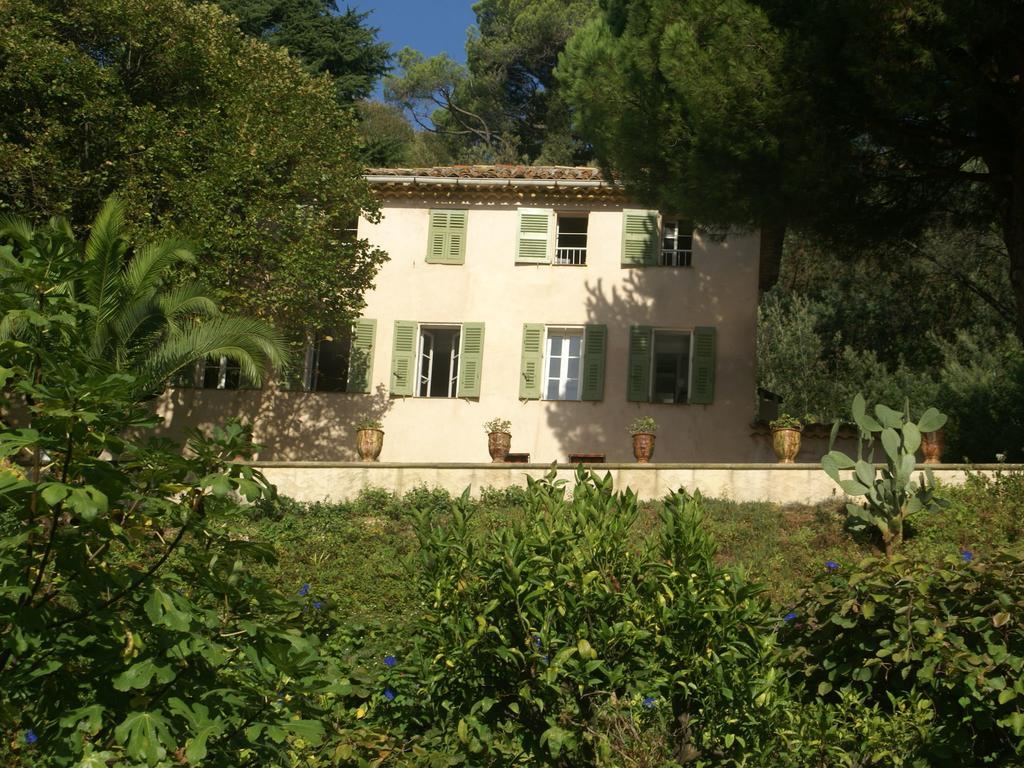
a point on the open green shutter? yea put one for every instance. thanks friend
(456, 253)
(595, 342)
(638, 385)
(531, 369)
(471, 359)
(639, 238)
(360, 358)
(403, 358)
(534, 233)
(702, 383)
(437, 237)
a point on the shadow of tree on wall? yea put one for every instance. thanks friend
(295, 426)
(671, 297)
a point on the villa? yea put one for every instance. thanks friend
(541, 295)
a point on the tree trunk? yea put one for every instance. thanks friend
(1013, 232)
(773, 235)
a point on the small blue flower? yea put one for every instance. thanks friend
(390, 661)
(318, 604)
(649, 702)
(832, 565)
(304, 590)
(967, 555)
(536, 642)
(789, 616)
(30, 737)
(389, 694)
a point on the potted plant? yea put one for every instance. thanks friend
(499, 439)
(369, 439)
(642, 429)
(932, 445)
(786, 432)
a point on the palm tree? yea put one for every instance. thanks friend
(143, 320)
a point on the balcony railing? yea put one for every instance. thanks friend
(571, 256)
(676, 258)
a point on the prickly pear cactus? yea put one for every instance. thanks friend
(890, 493)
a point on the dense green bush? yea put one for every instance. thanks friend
(948, 632)
(538, 635)
(133, 630)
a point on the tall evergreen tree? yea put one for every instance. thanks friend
(324, 39)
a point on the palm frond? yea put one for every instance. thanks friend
(150, 264)
(255, 345)
(104, 252)
(186, 301)
(17, 228)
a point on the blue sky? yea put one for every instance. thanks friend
(430, 26)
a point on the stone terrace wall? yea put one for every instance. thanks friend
(779, 483)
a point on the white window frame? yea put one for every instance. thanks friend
(676, 256)
(574, 257)
(654, 356)
(565, 331)
(455, 360)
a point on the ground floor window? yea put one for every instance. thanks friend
(670, 375)
(564, 350)
(221, 373)
(439, 361)
(327, 361)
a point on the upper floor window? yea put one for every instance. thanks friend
(571, 239)
(676, 243)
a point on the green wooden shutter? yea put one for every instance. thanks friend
(403, 359)
(702, 380)
(638, 386)
(639, 238)
(595, 342)
(534, 234)
(360, 356)
(446, 239)
(471, 359)
(531, 369)
(457, 236)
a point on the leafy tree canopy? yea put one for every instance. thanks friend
(324, 39)
(860, 120)
(504, 105)
(207, 133)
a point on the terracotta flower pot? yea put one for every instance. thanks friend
(786, 444)
(643, 447)
(932, 446)
(368, 443)
(498, 445)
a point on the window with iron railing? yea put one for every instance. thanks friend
(676, 244)
(571, 242)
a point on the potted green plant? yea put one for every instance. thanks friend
(369, 439)
(642, 429)
(499, 439)
(786, 433)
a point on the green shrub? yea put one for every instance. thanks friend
(534, 635)
(432, 501)
(512, 497)
(949, 632)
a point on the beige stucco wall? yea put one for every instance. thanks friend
(781, 484)
(720, 289)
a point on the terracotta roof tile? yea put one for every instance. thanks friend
(540, 172)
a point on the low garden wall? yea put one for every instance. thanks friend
(779, 483)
